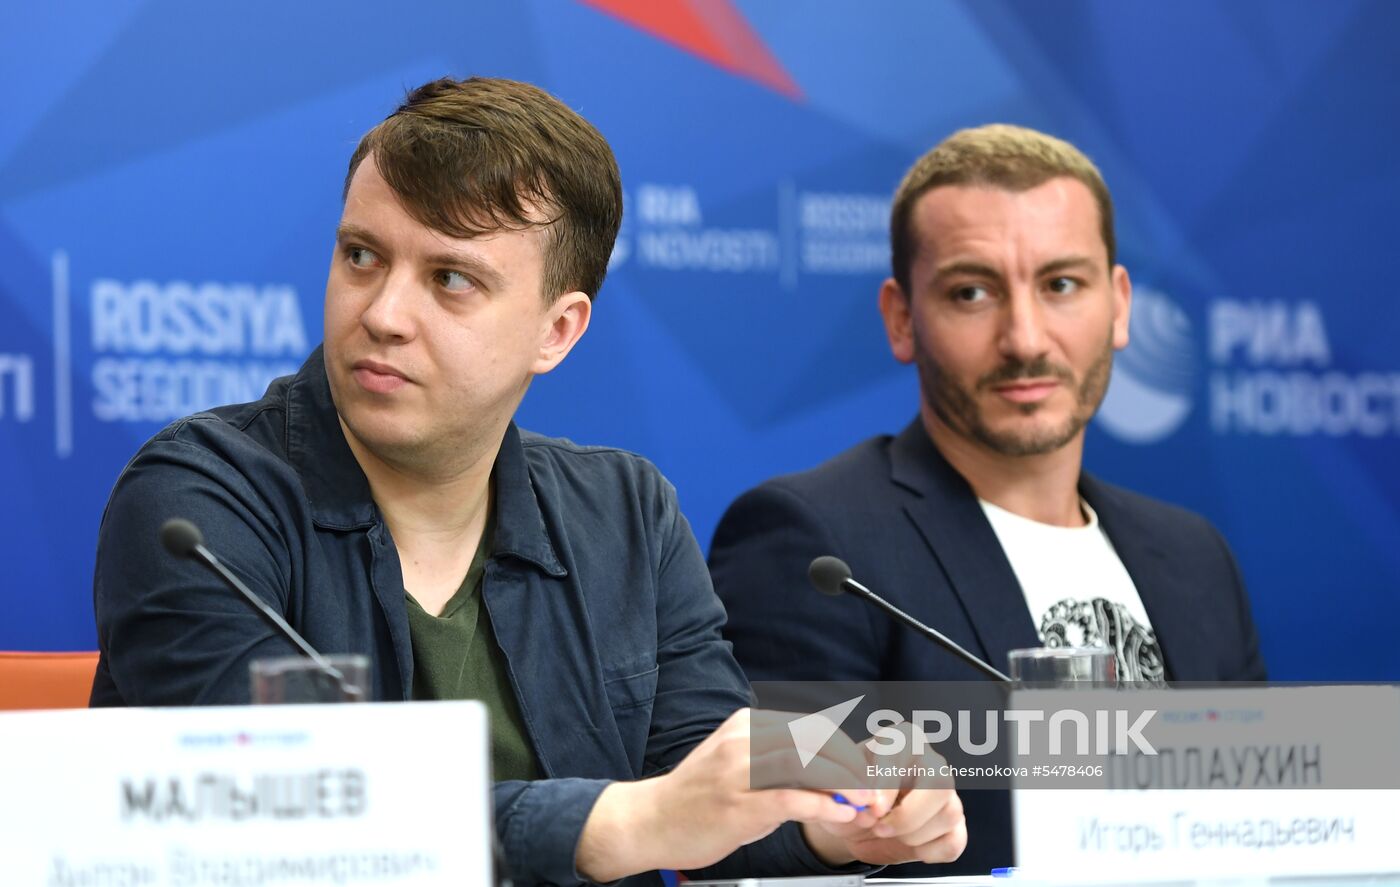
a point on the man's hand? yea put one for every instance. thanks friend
(704, 809)
(926, 823)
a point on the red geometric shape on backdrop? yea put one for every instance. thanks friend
(711, 29)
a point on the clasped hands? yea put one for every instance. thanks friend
(706, 808)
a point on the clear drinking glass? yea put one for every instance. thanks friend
(1056, 666)
(299, 680)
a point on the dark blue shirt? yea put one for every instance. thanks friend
(596, 589)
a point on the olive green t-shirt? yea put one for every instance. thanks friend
(455, 656)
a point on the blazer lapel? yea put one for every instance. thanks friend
(1147, 565)
(947, 515)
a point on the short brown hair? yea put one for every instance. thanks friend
(468, 157)
(998, 155)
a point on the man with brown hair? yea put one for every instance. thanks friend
(978, 518)
(384, 502)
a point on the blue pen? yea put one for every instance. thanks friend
(842, 799)
(1008, 872)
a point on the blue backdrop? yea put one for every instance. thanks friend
(170, 177)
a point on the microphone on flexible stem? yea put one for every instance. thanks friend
(183, 539)
(831, 577)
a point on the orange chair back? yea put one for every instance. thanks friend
(46, 680)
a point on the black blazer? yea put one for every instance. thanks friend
(911, 529)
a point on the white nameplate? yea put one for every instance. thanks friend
(283, 794)
(1271, 778)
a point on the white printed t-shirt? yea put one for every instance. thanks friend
(1077, 590)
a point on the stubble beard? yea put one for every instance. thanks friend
(957, 407)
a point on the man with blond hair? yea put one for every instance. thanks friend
(383, 501)
(978, 517)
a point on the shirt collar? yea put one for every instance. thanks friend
(339, 492)
(995, 512)
(335, 485)
(520, 524)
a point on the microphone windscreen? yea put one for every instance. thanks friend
(180, 537)
(827, 573)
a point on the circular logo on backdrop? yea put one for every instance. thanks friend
(1149, 394)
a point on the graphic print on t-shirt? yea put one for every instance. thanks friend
(1099, 622)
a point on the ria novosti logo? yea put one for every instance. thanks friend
(1272, 372)
(1150, 393)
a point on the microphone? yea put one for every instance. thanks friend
(831, 577)
(183, 539)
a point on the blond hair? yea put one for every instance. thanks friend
(999, 155)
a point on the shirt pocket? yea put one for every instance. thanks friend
(631, 697)
(632, 690)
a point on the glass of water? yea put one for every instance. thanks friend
(299, 680)
(1058, 666)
